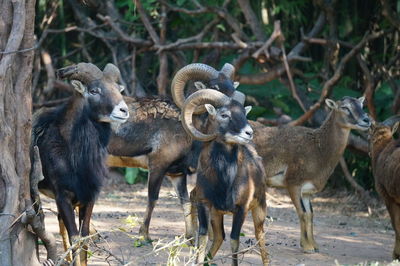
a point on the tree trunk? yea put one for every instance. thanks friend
(17, 243)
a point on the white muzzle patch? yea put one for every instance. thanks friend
(245, 135)
(120, 113)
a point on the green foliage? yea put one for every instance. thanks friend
(135, 175)
(131, 175)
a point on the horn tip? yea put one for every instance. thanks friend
(63, 72)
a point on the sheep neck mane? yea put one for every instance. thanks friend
(88, 139)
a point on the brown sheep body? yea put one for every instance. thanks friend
(301, 159)
(385, 156)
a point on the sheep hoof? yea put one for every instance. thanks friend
(309, 248)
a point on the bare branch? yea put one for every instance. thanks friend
(231, 21)
(146, 21)
(162, 79)
(277, 71)
(252, 20)
(200, 10)
(369, 86)
(275, 34)
(289, 74)
(122, 34)
(219, 11)
(208, 45)
(195, 38)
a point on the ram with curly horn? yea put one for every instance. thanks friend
(230, 174)
(385, 156)
(72, 139)
(153, 137)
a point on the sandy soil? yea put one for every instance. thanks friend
(346, 236)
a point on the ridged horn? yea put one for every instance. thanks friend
(391, 120)
(196, 71)
(112, 72)
(201, 97)
(228, 70)
(84, 72)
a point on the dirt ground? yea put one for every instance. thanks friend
(346, 236)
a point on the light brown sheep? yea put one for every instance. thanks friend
(301, 159)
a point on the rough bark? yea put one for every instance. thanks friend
(17, 244)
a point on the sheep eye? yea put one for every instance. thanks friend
(94, 91)
(225, 116)
(346, 109)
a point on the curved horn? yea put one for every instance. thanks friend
(84, 72)
(391, 120)
(112, 72)
(228, 70)
(239, 96)
(201, 97)
(195, 72)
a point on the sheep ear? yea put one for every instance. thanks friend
(236, 84)
(211, 109)
(248, 109)
(361, 100)
(200, 85)
(78, 86)
(331, 104)
(121, 88)
(395, 127)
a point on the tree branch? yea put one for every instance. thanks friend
(277, 71)
(252, 20)
(195, 38)
(275, 34)
(124, 37)
(326, 89)
(146, 21)
(369, 87)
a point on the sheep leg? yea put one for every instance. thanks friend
(193, 215)
(394, 212)
(155, 178)
(64, 235)
(305, 214)
(193, 211)
(237, 223)
(309, 215)
(217, 224)
(259, 213)
(85, 213)
(66, 212)
(203, 216)
(179, 183)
